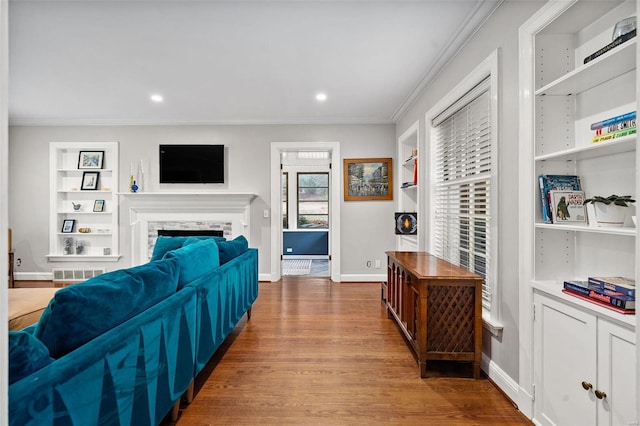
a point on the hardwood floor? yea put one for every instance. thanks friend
(317, 353)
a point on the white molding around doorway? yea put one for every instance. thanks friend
(334, 205)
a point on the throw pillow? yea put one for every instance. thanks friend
(81, 312)
(26, 355)
(165, 244)
(231, 249)
(196, 258)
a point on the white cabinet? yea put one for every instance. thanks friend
(560, 97)
(83, 221)
(584, 368)
(408, 188)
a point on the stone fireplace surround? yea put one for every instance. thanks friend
(150, 211)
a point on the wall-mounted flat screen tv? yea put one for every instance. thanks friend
(191, 163)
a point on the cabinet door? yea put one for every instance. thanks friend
(616, 375)
(564, 357)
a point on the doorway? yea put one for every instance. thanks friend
(305, 220)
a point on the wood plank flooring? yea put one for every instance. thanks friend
(322, 353)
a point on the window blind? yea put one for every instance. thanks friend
(462, 184)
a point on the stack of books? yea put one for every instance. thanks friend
(616, 293)
(550, 185)
(614, 127)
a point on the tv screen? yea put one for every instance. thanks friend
(191, 163)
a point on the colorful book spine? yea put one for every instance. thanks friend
(625, 286)
(613, 120)
(628, 124)
(620, 303)
(599, 302)
(614, 135)
(577, 286)
(558, 182)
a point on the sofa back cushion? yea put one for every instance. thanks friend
(81, 312)
(26, 355)
(165, 244)
(231, 249)
(196, 258)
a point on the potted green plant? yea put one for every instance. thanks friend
(609, 211)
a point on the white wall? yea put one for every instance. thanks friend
(247, 171)
(4, 86)
(500, 31)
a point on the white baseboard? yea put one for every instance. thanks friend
(33, 276)
(352, 278)
(509, 386)
(264, 277)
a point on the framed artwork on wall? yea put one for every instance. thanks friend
(90, 159)
(90, 181)
(367, 179)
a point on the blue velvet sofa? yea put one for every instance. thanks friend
(122, 348)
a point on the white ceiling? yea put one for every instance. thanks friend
(219, 62)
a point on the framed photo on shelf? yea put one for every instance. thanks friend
(90, 181)
(67, 226)
(367, 179)
(98, 206)
(90, 159)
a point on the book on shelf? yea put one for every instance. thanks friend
(407, 184)
(621, 125)
(622, 285)
(617, 42)
(599, 302)
(614, 135)
(584, 288)
(555, 182)
(631, 115)
(567, 206)
(415, 171)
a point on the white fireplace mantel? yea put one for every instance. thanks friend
(146, 207)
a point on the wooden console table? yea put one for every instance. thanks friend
(438, 307)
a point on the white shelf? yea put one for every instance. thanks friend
(80, 171)
(84, 191)
(85, 234)
(66, 212)
(600, 149)
(410, 161)
(627, 231)
(614, 63)
(409, 187)
(554, 288)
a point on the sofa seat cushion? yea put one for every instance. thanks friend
(165, 244)
(81, 312)
(232, 249)
(196, 258)
(26, 355)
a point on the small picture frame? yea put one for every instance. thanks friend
(67, 226)
(90, 159)
(90, 181)
(98, 206)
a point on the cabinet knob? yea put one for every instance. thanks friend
(587, 385)
(600, 394)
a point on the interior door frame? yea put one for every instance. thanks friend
(335, 176)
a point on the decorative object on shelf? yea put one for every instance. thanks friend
(406, 223)
(567, 206)
(628, 25)
(69, 245)
(368, 179)
(132, 180)
(140, 177)
(106, 251)
(76, 206)
(134, 187)
(98, 206)
(90, 181)
(610, 211)
(81, 247)
(90, 159)
(84, 230)
(67, 226)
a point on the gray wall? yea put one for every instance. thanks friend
(247, 171)
(500, 31)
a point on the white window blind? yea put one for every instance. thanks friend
(462, 184)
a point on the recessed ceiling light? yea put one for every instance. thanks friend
(157, 98)
(321, 97)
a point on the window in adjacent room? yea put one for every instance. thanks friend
(285, 200)
(463, 147)
(313, 200)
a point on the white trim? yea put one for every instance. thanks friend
(487, 68)
(334, 204)
(34, 276)
(4, 209)
(264, 277)
(492, 326)
(526, 205)
(474, 21)
(365, 278)
(500, 378)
